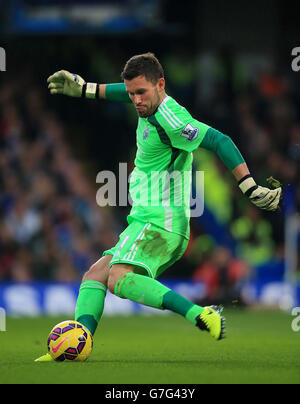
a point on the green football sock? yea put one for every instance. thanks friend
(90, 304)
(150, 292)
(179, 304)
(141, 289)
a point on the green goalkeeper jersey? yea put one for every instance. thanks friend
(160, 184)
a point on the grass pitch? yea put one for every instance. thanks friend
(260, 348)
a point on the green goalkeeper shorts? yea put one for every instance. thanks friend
(148, 247)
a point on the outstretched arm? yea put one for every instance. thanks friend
(224, 147)
(186, 133)
(73, 85)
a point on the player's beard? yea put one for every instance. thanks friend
(144, 114)
(148, 111)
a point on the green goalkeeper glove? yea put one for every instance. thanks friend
(64, 82)
(263, 198)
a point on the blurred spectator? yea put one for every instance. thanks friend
(254, 237)
(23, 221)
(223, 276)
(273, 269)
(180, 70)
(271, 83)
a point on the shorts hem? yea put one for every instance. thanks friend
(140, 264)
(107, 252)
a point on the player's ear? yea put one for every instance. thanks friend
(161, 84)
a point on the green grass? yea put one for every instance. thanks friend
(260, 348)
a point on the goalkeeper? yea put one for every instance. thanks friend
(157, 233)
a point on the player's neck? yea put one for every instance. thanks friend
(162, 98)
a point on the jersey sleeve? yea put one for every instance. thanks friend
(117, 92)
(183, 131)
(224, 147)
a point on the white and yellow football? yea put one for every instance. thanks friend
(70, 341)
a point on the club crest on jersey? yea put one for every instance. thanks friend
(146, 133)
(189, 132)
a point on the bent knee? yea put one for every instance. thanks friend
(117, 271)
(111, 283)
(99, 271)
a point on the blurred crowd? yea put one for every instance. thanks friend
(50, 225)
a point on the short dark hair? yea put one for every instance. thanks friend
(143, 65)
